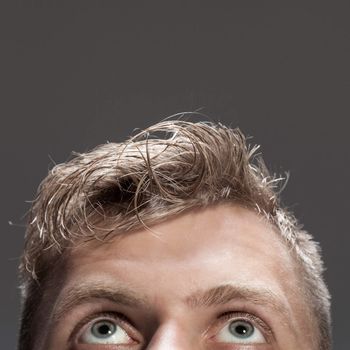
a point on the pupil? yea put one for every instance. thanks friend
(241, 330)
(104, 329)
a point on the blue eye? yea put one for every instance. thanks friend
(241, 329)
(103, 329)
(240, 332)
(105, 332)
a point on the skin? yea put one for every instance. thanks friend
(224, 245)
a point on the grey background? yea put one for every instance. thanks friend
(76, 74)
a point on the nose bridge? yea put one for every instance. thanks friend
(172, 336)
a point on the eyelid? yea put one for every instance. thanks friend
(256, 321)
(119, 318)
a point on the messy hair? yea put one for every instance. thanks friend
(160, 172)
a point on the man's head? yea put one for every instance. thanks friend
(176, 239)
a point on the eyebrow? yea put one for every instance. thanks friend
(226, 293)
(84, 293)
(219, 295)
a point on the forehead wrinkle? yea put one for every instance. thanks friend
(84, 293)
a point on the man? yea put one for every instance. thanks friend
(174, 239)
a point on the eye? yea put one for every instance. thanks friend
(105, 331)
(240, 331)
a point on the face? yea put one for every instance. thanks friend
(217, 278)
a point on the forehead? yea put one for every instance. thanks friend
(222, 243)
(169, 271)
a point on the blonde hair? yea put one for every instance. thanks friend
(164, 170)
